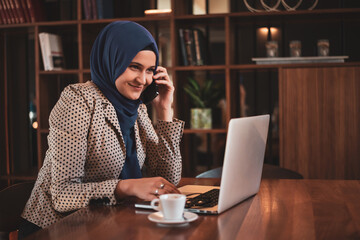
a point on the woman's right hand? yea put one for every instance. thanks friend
(144, 188)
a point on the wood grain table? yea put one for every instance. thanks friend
(283, 209)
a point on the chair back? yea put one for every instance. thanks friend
(12, 203)
(269, 171)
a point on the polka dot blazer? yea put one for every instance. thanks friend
(86, 154)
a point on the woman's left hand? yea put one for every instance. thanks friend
(163, 102)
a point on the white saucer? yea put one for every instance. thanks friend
(159, 218)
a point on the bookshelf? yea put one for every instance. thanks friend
(232, 38)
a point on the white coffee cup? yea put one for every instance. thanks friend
(170, 205)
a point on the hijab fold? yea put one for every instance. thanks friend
(113, 50)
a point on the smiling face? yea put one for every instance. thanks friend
(137, 76)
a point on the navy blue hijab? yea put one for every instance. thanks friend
(113, 50)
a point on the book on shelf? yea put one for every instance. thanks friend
(51, 51)
(22, 11)
(39, 10)
(163, 4)
(192, 46)
(182, 47)
(199, 7)
(18, 10)
(200, 49)
(68, 9)
(13, 9)
(2, 14)
(5, 14)
(98, 9)
(210, 6)
(8, 13)
(90, 9)
(94, 14)
(86, 6)
(216, 6)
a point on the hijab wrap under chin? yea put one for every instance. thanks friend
(113, 50)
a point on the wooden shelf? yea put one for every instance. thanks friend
(276, 66)
(199, 68)
(65, 71)
(134, 19)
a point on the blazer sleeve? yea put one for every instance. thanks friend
(163, 157)
(69, 123)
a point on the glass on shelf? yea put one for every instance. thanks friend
(295, 48)
(323, 46)
(272, 49)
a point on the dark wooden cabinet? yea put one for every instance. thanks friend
(232, 39)
(319, 121)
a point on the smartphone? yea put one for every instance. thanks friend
(149, 93)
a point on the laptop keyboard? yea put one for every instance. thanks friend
(206, 199)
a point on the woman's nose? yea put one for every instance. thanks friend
(141, 78)
(144, 78)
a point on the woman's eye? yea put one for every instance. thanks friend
(150, 70)
(134, 67)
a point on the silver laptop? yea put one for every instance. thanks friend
(242, 167)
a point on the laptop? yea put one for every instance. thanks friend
(242, 167)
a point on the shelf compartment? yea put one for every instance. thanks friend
(183, 101)
(211, 42)
(69, 39)
(248, 38)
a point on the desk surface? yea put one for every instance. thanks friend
(283, 209)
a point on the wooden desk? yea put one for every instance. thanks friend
(283, 209)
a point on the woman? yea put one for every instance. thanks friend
(101, 136)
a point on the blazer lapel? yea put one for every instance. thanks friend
(110, 116)
(139, 147)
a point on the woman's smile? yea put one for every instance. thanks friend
(136, 87)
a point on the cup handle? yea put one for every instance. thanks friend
(153, 202)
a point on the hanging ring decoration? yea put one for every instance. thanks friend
(314, 5)
(288, 8)
(276, 5)
(270, 9)
(251, 9)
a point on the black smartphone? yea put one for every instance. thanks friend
(149, 93)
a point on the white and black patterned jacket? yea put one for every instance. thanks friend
(86, 154)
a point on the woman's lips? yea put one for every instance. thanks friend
(136, 87)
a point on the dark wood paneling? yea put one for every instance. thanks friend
(319, 123)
